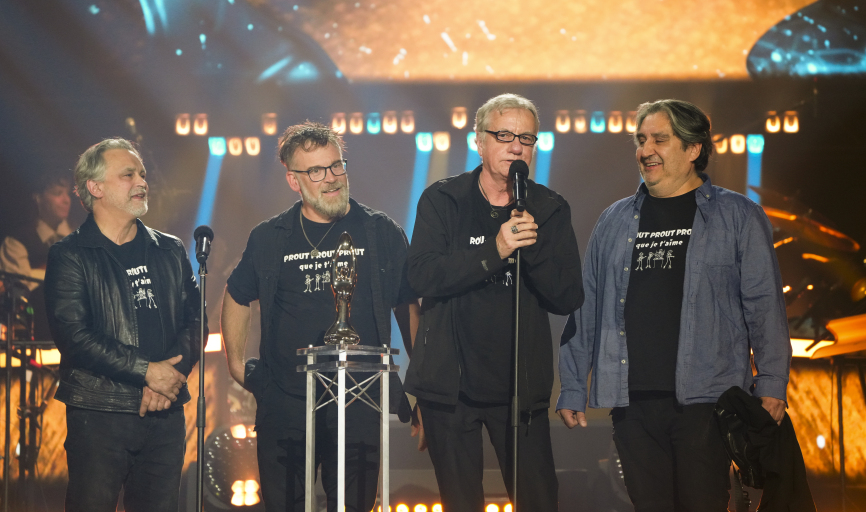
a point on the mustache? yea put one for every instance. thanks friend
(138, 191)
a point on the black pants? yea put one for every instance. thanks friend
(107, 451)
(281, 439)
(455, 445)
(672, 456)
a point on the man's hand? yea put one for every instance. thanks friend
(507, 241)
(418, 428)
(775, 407)
(152, 401)
(572, 418)
(164, 379)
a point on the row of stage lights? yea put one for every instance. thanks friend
(580, 121)
(437, 507)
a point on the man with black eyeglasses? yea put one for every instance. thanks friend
(286, 267)
(462, 262)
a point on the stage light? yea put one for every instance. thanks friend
(786, 289)
(402, 508)
(236, 146)
(755, 144)
(338, 123)
(424, 141)
(821, 442)
(614, 122)
(563, 121)
(458, 117)
(407, 122)
(773, 124)
(214, 343)
(631, 122)
(792, 122)
(596, 123)
(738, 144)
(356, 123)
(389, 508)
(251, 498)
(507, 508)
(199, 124)
(580, 121)
(182, 124)
(545, 141)
(389, 122)
(472, 142)
(251, 486)
(374, 123)
(420, 508)
(217, 146)
(437, 507)
(253, 146)
(720, 142)
(269, 124)
(239, 431)
(815, 257)
(493, 507)
(441, 141)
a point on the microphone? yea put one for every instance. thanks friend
(203, 238)
(519, 171)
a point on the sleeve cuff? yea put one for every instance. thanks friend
(772, 388)
(572, 400)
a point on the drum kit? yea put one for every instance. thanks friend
(21, 310)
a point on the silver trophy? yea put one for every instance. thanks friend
(343, 281)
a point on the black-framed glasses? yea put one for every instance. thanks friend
(337, 168)
(505, 136)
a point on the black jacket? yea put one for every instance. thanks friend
(92, 317)
(780, 459)
(440, 271)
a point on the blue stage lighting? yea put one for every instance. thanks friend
(596, 123)
(424, 141)
(545, 141)
(755, 146)
(374, 123)
(217, 145)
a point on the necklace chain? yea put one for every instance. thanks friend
(315, 252)
(494, 210)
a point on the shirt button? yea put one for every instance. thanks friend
(629, 239)
(621, 301)
(635, 216)
(708, 196)
(622, 333)
(623, 361)
(626, 269)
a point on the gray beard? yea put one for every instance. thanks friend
(334, 209)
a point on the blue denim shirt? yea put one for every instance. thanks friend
(732, 302)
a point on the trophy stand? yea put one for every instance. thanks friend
(342, 340)
(344, 367)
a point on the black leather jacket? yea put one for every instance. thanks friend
(92, 317)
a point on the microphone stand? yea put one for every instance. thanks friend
(515, 397)
(201, 411)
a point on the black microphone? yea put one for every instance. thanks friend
(519, 171)
(203, 237)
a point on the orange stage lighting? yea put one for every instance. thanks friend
(773, 124)
(614, 122)
(338, 123)
(407, 122)
(389, 122)
(580, 125)
(182, 124)
(269, 124)
(721, 143)
(738, 144)
(236, 146)
(441, 141)
(199, 124)
(356, 123)
(631, 122)
(816, 257)
(214, 343)
(792, 122)
(563, 121)
(458, 117)
(253, 145)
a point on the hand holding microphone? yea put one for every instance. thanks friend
(521, 229)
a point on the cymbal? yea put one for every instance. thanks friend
(788, 203)
(811, 230)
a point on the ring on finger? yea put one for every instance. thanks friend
(514, 229)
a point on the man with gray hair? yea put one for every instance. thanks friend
(665, 340)
(124, 361)
(461, 261)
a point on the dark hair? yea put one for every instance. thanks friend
(688, 122)
(50, 179)
(307, 136)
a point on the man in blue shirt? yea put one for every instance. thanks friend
(681, 283)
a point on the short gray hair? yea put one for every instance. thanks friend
(688, 122)
(500, 104)
(91, 166)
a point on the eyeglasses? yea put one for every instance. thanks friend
(337, 168)
(506, 136)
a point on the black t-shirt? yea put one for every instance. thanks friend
(655, 291)
(304, 302)
(485, 313)
(131, 255)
